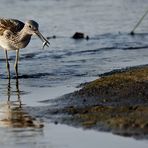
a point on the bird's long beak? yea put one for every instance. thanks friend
(43, 39)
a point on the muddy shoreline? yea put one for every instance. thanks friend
(115, 102)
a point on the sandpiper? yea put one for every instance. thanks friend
(15, 35)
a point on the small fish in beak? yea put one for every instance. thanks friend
(43, 39)
(45, 44)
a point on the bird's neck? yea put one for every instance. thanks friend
(23, 35)
(23, 39)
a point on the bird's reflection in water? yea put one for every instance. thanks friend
(12, 113)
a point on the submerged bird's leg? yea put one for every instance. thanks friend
(9, 93)
(18, 92)
(9, 90)
(16, 63)
(7, 64)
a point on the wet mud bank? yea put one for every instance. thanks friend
(115, 102)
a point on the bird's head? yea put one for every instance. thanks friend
(32, 28)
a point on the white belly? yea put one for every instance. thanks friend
(5, 44)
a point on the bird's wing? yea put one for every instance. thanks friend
(10, 24)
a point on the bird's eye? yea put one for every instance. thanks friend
(29, 26)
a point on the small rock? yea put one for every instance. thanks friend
(51, 37)
(132, 33)
(56, 122)
(87, 37)
(78, 35)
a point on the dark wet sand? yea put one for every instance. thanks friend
(116, 102)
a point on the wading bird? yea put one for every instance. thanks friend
(15, 35)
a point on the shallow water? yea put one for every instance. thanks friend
(57, 70)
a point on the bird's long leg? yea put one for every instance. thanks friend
(16, 63)
(7, 64)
